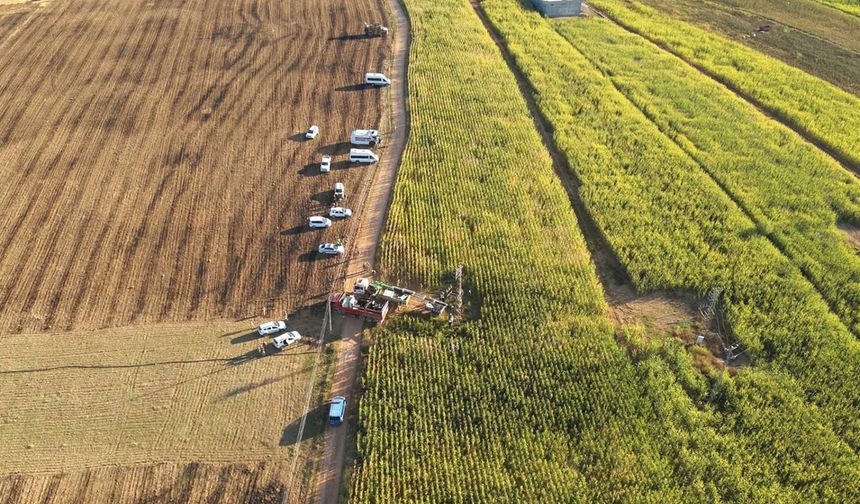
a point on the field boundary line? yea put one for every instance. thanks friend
(768, 112)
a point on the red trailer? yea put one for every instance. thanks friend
(349, 304)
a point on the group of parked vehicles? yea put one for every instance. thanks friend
(365, 304)
(363, 137)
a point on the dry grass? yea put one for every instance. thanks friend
(142, 403)
(149, 162)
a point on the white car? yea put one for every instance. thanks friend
(286, 340)
(272, 327)
(319, 222)
(331, 249)
(312, 133)
(339, 191)
(376, 79)
(325, 164)
(339, 212)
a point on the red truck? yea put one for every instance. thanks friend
(349, 304)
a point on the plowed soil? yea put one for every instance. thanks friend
(152, 163)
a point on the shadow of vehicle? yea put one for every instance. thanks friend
(299, 137)
(314, 426)
(346, 36)
(311, 170)
(324, 198)
(309, 256)
(246, 357)
(341, 165)
(335, 149)
(296, 230)
(352, 88)
(251, 336)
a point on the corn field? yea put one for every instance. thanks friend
(824, 112)
(532, 399)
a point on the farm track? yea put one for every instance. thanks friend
(348, 354)
(820, 144)
(154, 169)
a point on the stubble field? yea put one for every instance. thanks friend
(151, 160)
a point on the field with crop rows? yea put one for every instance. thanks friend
(152, 165)
(172, 409)
(155, 185)
(850, 6)
(533, 399)
(794, 193)
(803, 33)
(825, 113)
(692, 235)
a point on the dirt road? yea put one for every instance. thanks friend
(364, 253)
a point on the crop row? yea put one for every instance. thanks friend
(795, 193)
(824, 112)
(673, 227)
(850, 6)
(532, 399)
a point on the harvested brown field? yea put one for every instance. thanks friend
(179, 412)
(151, 160)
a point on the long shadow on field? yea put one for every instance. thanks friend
(296, 230)
(299, 137)
(311, 170)
(353, 87)
(358, 36)
(116, 366)
(252, 386)
(314, 426)
(335, 148)
(233, 333)
(247, 356)
(251, 336)
(340, 165)
(309, 256)
(324, 198)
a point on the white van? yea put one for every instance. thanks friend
(364, 137)
(362, 156)
(376, 79)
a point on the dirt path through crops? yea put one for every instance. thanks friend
(364, 255)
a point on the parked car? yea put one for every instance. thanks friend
(272, 327)
(331, 249)
(339, 212)
(337, 410)
(339, 191)
(285, 340)
(325, 164)
(319, 222)
(376, 79)
(364, 137)
(312, 133)
(362, 156)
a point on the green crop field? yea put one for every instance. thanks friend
(850, 6)
(533, 399)
(803, 33)
(792, 191)
(825, 113)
